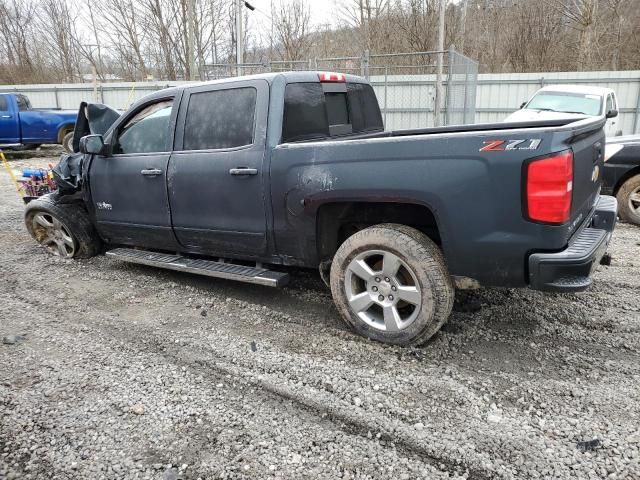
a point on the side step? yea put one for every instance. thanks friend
(261, 276)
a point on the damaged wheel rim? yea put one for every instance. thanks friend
(383, 290)
(52, 234)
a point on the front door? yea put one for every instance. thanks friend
(216, 178)
(129, 187)
(9, 122)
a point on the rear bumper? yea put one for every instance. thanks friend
(571, 269)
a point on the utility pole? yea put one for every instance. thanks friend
(439, 92)
(191, 30)
(239, 37)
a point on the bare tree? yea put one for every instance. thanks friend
(60, 40)
(291, 28)
(582, 15)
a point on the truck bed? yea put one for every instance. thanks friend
(475, 196)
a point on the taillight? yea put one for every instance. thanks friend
(549, 188)
(332, 77)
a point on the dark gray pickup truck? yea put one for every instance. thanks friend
(241, 177)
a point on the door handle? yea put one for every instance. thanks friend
(6, 116)
(243, 171)
(151, 172)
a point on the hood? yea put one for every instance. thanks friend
(57, 111)
(614, 145)
(626, 139)
(527, 115)
(93, 119)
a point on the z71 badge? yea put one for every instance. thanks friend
(503, 145)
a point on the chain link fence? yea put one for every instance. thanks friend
(405, 83)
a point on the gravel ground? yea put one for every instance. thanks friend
(122, 371)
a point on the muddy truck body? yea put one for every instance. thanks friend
(241, 177)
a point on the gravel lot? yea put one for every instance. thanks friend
(122, 371)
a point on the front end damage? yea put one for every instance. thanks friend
(93, 118)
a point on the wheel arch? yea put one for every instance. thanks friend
(338, 220)
(627, 175)
(63, 129)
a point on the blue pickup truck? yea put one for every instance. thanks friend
(21, 124)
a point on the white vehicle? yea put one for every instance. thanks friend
(567, 101)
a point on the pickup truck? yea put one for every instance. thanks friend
(23, 125)
(571, 101)
(621, 175)
(240, 178)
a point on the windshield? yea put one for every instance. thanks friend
(566, 102)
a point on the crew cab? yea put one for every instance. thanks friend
(240, 178)
(23, 125)
(571, 101)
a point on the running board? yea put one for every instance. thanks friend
(258, 275)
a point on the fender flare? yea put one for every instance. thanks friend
(63, 129)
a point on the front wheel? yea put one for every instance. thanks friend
(64, 230)
(390, 283)
(629, 200)
(67, 142)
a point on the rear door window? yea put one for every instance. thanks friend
(220, 119)
(4, 106)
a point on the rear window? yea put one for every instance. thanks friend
(337, 110)
(305, 116)
(310, 112)
(363, 104)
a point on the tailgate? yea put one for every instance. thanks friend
(588, 161)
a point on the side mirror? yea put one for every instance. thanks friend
(522, 105)
(93, 144)
(612, 113)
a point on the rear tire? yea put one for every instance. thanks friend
(629, 200)
(390, 283)
(63, 229)
(67, 142)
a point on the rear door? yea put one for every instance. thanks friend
(129, 187)
(9, 121)
(216, 178)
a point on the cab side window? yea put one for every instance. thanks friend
(23, 103)
(147, 131)
(4, 106)
(220, 119)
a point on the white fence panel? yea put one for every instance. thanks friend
(407, 101)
